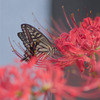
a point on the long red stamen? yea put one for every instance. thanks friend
(66, 18)
(41, 27)
(73, 20)
(19, 46)
(86, 12)
(91, 14)
(62, 25)
(45, 31)
(17, 53)
(52, 29)
(57, 26)
(79, 15)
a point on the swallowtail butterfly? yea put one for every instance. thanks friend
(35, 42)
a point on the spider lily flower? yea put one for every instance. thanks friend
(88, 39)
(16, 82)
(71, 53)
(81, 44)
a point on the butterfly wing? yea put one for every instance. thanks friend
(35, 41)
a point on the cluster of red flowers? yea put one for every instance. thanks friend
(30, 81)
(47, 80)
(22, 82)
(81, 44)
(25, 82)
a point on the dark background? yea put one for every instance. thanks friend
(71, 6)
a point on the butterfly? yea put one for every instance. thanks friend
(35, 42)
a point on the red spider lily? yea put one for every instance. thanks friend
(72, 53)
(16, 83)
(88, 39)
(81, 44)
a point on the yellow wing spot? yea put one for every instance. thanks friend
(31, 44)
(35, 43)
(35, 52)
(37, 40)
(26, 44)
(49, 46)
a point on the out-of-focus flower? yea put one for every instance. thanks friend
(52, 81)
(16, 82)
(8, 87)
(19, 82)
(89, 82)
